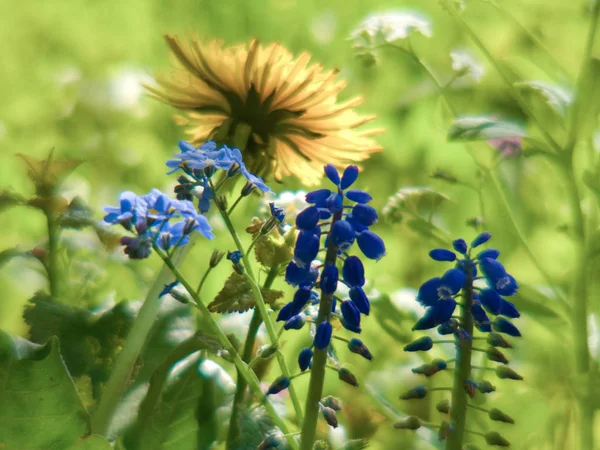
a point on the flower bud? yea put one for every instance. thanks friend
(494, 438)
(417, 392)
(358, 347)
(278, 385)
(323, 335)
(462, 334)
(268, 351)
(420, 345)
(496, 340)
(305, 358)
(444, 430)
(247, 189)
(501, 325)
(329, 416)
(272, 442)
(332, 402)
(448, 327)
(295, 323)
(499, 416)
(430, 369)
(485, 387)
(347, 377)
(504, 372)
(469, 387)
(443, 406)
(180, 296)
(410, 423)
(493, 354)
(215, 258)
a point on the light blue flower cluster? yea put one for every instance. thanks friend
(201, 163)
(155, 219)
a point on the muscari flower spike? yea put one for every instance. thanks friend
(441, 296)
(348, 224)
(156, 219)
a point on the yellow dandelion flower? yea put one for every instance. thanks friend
(296, 123)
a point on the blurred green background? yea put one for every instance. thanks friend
(71, 77)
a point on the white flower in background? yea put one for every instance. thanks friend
(211, 369)
(406, 300)
(292, 202)
(465, 63)
(387, 27)
(323, 27)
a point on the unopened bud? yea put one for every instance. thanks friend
(215, 258)
(332, 402)
(499, 416)
(485, 387)
(430, 369)
(247, 189)
(165, 241)
(221, 202)
(496, 340)
(445, 176)
(417, 392)
(410, 423)
(357, 346)
(189, 226)
(503, 372)
(462, 335)
(180, 296)
(278, 385)
(420, 345)
(444, 430)
(469, 387)
(347, 377)
(268, 351)
(330, 416)
(494, 438)
(295, 322)
(443, 406)
(272, 442)
(493, 354)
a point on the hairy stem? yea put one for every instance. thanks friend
(119, 378)
(248, 352)
(243, 369)
(54, 277)
(319, 362)
(462, 372)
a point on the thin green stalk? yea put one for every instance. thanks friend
(52, 270)
(319, 362)
(119, 378)
(247, 354)
(262, 307)
(243, 369)
(462, 371)
(203, 280)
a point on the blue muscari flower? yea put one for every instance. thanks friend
(371, 245)
(304, 359)
(295, 323)
(481, 239)
(351, 314)
(364, 214)
(420, 345)
(441, 254)
(278, 385)
(501, 325)
(323, 335)
(297, 275)
(308, 218)
(307, 248)
(342, 235)
(329, 279)
(443, 288)
(460, 246)
(349, 176)
(332, 173)
(357, 346)
(360, 299)
(353, 271)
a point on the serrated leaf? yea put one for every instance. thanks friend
(559, 98)
(480, 128)
(47, 174)
(9, 199)
(39, 405)
(415, 200)
(253, 425)
(272, 250)
(237, 295)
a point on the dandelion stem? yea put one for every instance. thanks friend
(462, 372)
(317, 375)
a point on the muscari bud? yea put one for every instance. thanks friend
(305, 358)
(410, 423)
(493, 354)
(494, 438)
(430, 369)
(469, 387)
(420, 345)
(329, 416)
(323, 335)
(444, 430)
(485, 387)
(357, 346)
(496, 340)
(272, 442)
(295, 323)
(180, 296)
(215, 258)
(332, 402)
(503, 372)
(268, 351)
(443, 406)
(417, 392)
(499, 416)
(347, 377)
(278, 385)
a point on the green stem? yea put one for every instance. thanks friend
(319, 363)
(203, 280)
(247, 354)
(248, 375)
(119, 378)
(235, 204)
(262, 307)
(462, 372)
(54, 280)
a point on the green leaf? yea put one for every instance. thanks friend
(8, 254)
(391, 319)
(418, 201)
(93, 442)
(39, 405)
(184, 417)
(254, 425)
(558, 98)
(482, 128)
(536, 302)
(77, 216)
(237, 295)
(9, 199)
